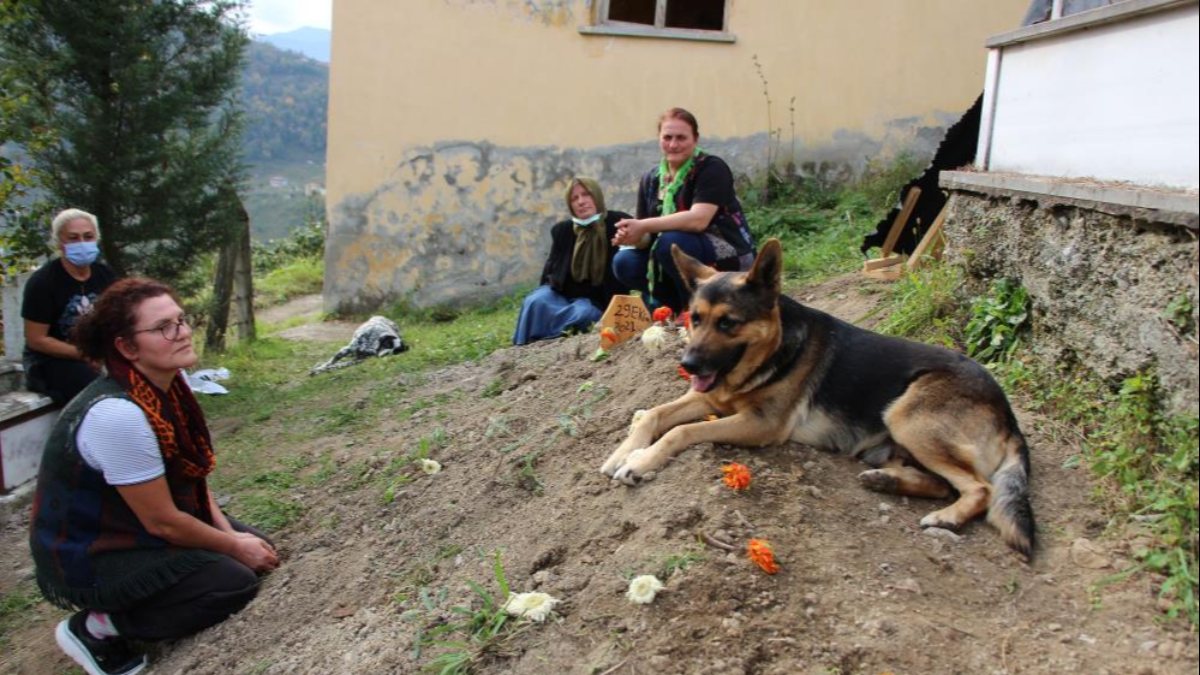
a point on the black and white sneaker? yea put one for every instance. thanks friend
(113, 656)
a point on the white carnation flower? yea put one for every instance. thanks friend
(430, 466)
(655, 338)
(534, 606)
(637, 417)
(642, 589)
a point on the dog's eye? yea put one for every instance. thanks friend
(726, 324)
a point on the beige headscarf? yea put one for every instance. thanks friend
(589, 261)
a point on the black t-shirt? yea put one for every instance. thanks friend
(710, 181)
(57, 299)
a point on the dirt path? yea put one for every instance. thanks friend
(521, 436)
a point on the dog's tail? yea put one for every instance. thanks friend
(1009, 510)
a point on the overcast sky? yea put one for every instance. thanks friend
(267, 17)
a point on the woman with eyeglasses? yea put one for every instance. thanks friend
(125, 528)
(56, 295)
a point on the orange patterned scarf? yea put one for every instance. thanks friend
(177, 421)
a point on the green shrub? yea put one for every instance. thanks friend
(997, 318)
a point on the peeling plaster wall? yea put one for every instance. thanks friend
(1099, 283)
(461, 222)
(454, 125)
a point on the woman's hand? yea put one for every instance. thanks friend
(254, 553)
(629, 232)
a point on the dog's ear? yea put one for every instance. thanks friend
(693, 271)
(767, 270)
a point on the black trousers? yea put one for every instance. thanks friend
(60, 379)
(204, 598)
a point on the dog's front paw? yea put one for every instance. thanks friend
(639, 467)
(614, 462)
(630, 476)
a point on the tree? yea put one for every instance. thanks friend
(140, 96)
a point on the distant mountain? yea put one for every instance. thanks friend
(312, 42)
(285, 96)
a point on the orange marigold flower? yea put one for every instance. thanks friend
(760, 554)
(683, 373)
(608, 337)
(737, 476)
(662, 314)
(686, 319)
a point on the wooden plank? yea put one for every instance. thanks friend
(910, 202)
(930, 234)
(880, 263)
(886, 273)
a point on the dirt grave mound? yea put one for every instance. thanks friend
(521, 436)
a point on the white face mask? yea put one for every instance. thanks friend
(584, 222)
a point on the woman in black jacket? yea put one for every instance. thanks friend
(577, 281)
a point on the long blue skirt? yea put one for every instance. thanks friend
(547, 314)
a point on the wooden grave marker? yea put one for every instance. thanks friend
(625, 317)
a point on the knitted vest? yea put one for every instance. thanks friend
(89, 548)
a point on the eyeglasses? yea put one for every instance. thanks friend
(169, 330)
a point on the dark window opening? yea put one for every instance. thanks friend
(633, 11)
(687, 14)
(699, 14)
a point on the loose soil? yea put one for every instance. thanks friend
(862, 588)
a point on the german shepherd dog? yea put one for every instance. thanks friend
(930, 421)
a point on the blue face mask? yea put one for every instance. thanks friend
(81, 253)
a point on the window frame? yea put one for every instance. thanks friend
(601, 25)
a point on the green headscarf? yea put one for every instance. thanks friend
(589, 261)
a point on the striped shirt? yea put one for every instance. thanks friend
(115, 439)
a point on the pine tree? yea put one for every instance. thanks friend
(140, 95)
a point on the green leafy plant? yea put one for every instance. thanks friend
(679, 562)
(997, 320)
(470, 632)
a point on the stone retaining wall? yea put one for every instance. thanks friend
(1106, 280)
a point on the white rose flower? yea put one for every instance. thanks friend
(534, 606)
(655, 338)
(430, 466)
(642, 589)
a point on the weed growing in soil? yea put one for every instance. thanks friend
(924, 306)
(679, 562)
(478, 629)
(997, 318)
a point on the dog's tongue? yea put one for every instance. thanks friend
(703, 383)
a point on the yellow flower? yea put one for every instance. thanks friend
(430, 466)
(642, 589)
(534, 606)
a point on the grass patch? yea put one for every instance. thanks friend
(302, 276)
(14, 606)
(822, 226)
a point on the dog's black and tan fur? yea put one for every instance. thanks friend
(931, 421)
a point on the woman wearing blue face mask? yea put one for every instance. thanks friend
(577, 280)
(56, 295)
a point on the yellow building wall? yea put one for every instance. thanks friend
(454, 125)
